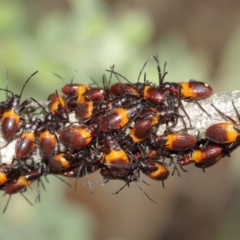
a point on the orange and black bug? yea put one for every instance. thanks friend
(153, 94)
(64, 162)
(159, 155)
(225, 132)
(11, 118)
(21, 182)
(88, 162)
(118, 164)
(5, 170)
(73, 92)
(192, 90)
(85, 111)
(116, 159)
(47, 140)
(227, 149)
(83, 162)
(210, 153)
(94, 95)
(120, 89)
(154, 170)
(143, 126)
(141, 129)
(145, 90)
(57, 106)
(76, 137)
(149, 91)
(17, 186)
(130, 89)
(131, 177)
(119, 118)
(60, 163)
(174, 141)
(26, 142)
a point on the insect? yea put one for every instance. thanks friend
(192, 90)
(141, 130)
(174, 141)
(88, 162)
(155, 170)
(129, 89)
(119, 89)
(116, 159)
(47, 140)
(21, 182)
(128, 179)
(224, 132)
(211, 152)
(94, 95)
(188, 91)
(73, 92)
(76, 137)
(88, 110)
(11, 119)
(118, 165)
(144, 90)
(5, 170)
(61, 162)
(26, 142)
(57, 106)
(119, 118)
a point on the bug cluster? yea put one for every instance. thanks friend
(121, 130)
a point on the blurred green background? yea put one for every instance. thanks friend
(198, 39)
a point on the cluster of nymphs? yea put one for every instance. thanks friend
(116, 129)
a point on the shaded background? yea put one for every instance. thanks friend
(198, 39)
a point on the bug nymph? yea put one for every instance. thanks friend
(11, 118)
(57, 106)
(76, 137)
(116, 159)
(20, 179)
(88, 110)
(174, 141)
(188, 91)
(26, 142)
(224, 132)
(47, 140)
(119, 118)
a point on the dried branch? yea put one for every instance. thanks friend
(199, 119)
